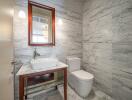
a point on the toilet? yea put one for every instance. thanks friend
(79, 80)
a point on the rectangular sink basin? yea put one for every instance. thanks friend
(41, 63)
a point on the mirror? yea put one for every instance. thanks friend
(41, 24)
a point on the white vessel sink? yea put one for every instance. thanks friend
(42, 63)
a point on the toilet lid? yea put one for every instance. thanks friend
(81, 74)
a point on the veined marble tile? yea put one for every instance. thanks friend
(108, 56)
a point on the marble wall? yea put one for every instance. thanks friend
(107, 49)
(68, 35)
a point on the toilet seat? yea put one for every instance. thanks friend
(83, 75)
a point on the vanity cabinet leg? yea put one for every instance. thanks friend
(21, 88)
(65, 84)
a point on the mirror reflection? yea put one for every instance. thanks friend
(42, 25)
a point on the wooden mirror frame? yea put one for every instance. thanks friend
(30, 4)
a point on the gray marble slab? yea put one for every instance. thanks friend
(107, 50)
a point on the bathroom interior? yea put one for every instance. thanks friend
(66, 49)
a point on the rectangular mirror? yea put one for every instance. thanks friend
(41, 24)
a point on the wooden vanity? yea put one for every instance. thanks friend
(27, 72)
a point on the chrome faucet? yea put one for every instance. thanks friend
(35, 54)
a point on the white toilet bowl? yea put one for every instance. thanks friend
(80, 80)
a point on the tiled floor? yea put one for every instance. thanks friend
(72, 95)
(94, 95)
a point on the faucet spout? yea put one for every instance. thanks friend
(35, 53)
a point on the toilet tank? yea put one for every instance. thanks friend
(73, 63)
